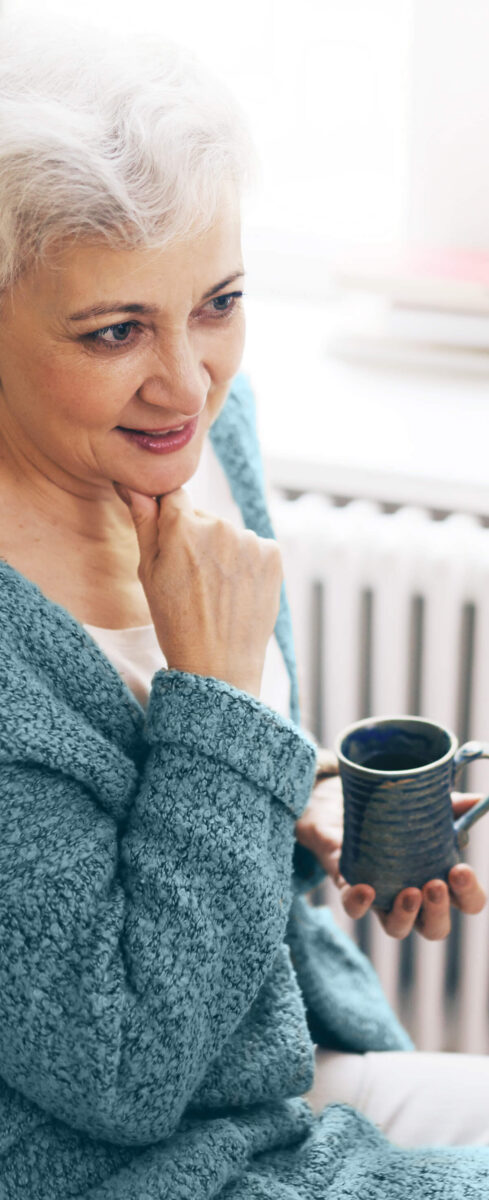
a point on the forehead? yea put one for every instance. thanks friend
(75, 273)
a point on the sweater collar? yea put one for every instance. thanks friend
(235, 441)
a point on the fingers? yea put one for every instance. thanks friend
(466, 891)
(431, 906)
(433, 920)
(331, 864)
(462, 802)
(399, 922)
(356, 900)
(427, 910)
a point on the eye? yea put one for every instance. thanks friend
(125, 332)
(226, 304)
(120, 334)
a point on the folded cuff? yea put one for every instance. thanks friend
(229, 725)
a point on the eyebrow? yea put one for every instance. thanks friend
(122, 306)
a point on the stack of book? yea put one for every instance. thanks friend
(414, 306)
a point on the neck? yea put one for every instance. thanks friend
(95, 522)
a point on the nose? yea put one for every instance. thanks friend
(178, 383)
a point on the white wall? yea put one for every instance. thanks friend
(324, 85)
(448, 192)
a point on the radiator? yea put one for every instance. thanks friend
(390, 613)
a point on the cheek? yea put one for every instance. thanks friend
(229, 363)
(82, 395)
(230, 351)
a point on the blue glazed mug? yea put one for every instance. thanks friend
(397, 775)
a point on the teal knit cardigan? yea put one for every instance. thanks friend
(161, 971)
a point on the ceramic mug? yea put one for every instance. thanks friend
(397, 774)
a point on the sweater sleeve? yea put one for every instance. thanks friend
(130, 952)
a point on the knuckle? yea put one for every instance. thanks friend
(436, 935)
(249, 541)
(271, 549)
(276, 557)
(397, 929)
(433, 931)
(274, 548)
(266, 550)
(472, 905)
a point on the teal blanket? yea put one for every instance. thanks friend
(162, 976)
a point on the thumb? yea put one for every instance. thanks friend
(144, 511)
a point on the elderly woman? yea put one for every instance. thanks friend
(163, 979)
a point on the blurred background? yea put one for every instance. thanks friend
(366, 248)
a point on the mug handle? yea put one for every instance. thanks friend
(466, 754)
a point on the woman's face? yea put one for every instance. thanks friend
(68, 381)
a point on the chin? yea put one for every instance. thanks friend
(173, 487)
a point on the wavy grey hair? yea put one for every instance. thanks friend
(127, 138)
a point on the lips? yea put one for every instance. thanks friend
(154, 432)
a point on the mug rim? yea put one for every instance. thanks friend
(376, 721)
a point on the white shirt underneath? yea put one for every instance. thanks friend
(136, 653)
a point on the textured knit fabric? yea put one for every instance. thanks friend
(159, 966)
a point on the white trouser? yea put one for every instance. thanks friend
(416, 1099)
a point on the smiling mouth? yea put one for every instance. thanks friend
(154, 432)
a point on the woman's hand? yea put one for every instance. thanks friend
(213, 590)
(320, 829)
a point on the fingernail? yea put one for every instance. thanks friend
(435, 893)
(410, 903)
(461, 879)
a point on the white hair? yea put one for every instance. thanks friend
(126, 138)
